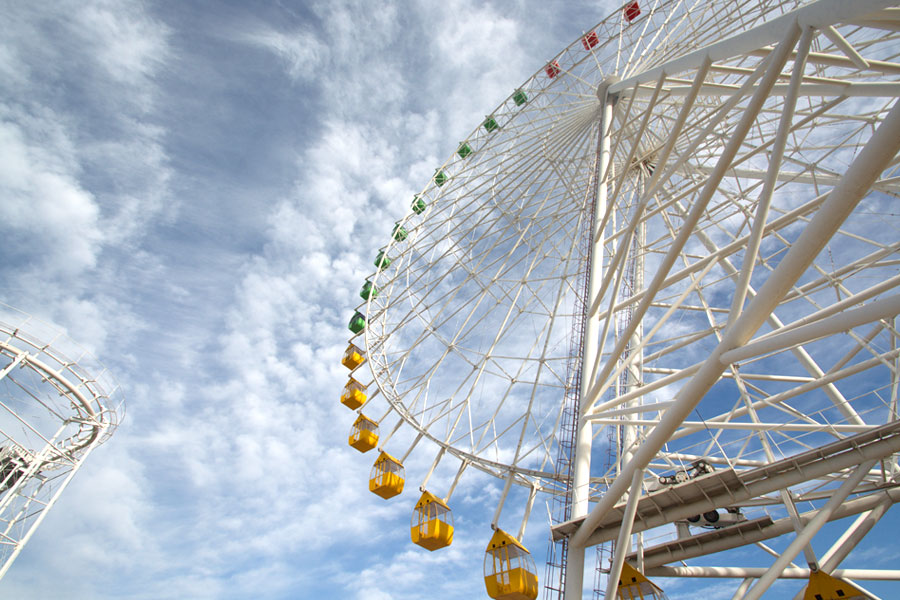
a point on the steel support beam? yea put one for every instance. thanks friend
(842, 89)
(858, 179)
(817, 15)
(805, 536)
(765, 197)
(581, 477)
(623, 542)
(848, 541)
(729, 151)
(759, 482)
(693, 548)
(884, 308)
(756, 572)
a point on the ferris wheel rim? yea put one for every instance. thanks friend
(96, 390)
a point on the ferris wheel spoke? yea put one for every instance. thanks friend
(636, 141)
(484, 288)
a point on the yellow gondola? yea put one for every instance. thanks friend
(386, 479)
(509, 572)
(432, 523)
(353, 357)
(354, 394)
(364, 434)
(633, 585)
(823, 586)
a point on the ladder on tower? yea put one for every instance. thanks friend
(561, 502)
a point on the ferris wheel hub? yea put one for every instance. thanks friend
(603, 88)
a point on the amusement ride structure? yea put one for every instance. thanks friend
(658, 285)
(57, 404)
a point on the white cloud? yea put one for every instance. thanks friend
(300, 51)
(45, 202)
(85, 171)
(127, 43)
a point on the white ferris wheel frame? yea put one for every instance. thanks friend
(861, 460)
(58, 404)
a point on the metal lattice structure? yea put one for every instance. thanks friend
(737, 164)
(57, 404)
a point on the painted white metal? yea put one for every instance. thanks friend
(780, 527)
(882, 147)
(644, 454)
(42, 510)
(528, 506)
(815, 15)
(811, 529)
(854, 534)
(596, 420)
(849, 90)
(884, 308)
(751, 251)
(496, 519)
(760, 223)
(583, 437)
(623, 542)
(756, 572)
(710, 186)
(835, 36)
(57, 404)
(848, 541)
(434, 464)
(749, 485)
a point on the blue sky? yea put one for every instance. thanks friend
(194, 191)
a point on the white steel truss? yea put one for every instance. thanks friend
(742, 287)
(56, 405)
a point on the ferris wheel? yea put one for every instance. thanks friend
(659, 284)
(57, 403)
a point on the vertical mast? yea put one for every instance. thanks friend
(574, 575)
(632, 377)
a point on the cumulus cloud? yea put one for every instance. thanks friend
(45, 201)
(85, 172)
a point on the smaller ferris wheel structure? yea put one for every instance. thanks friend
(57, 404)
